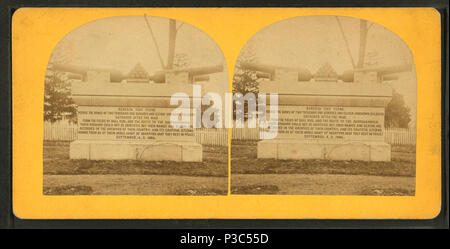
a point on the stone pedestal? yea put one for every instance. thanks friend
(179, 151)
(290, 149)
(328, 120)
(131, 121)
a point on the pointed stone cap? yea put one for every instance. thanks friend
(138, 72)
(326, 72)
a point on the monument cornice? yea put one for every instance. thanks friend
(327, 88)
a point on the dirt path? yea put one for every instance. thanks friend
(327, 184)
(138, 184)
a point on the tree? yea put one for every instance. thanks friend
(326, 71)
(57, 101)
(244, 80)
(397, 114)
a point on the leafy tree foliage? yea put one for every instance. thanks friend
(244, 80)
(326, 71)
(57, 101)
(397, 114)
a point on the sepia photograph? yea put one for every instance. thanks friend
(120, 105)
(341, 116)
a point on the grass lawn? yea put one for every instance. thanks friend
(134, 185)
(250, 175)
(57, 162)
(322, 184)
(244, 161)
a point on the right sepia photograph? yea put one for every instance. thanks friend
(324, 105)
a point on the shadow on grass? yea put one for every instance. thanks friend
(201, 191)
(255, 190)
(388, 192)
(68, 190)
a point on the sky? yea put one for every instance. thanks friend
(310, 41)
(122, 42)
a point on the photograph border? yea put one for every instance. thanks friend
(199, 223)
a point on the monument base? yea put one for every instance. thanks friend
(329, 150)
(180, 151)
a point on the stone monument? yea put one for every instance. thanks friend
(127, 117)
(328, 116)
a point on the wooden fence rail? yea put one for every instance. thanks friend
(60, 131)
(219, 137)
(399, 136)
(215, 137)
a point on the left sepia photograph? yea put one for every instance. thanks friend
(123, 97)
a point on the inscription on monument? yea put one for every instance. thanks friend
(327, 122)
(128, 123)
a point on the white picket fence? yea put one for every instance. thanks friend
(60, 131)
(64, 131)
(400, 136)
(215, 137)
